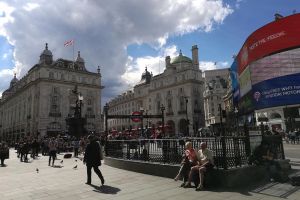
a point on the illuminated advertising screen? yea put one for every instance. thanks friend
(245, 82)
(268, 66)
(234, 82)
(276, 65)
(284, 90)
(274, 37)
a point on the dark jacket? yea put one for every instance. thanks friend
(92, 154)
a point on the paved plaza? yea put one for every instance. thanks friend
(23, 181)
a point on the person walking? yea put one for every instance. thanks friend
(4, 153)
(92, 159)
(76, 147)
(52, 150)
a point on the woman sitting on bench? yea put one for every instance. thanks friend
(189, 160)
(205, 163)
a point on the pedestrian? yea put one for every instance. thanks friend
(52, 150)
(4, 153)
(76, 147)
(92, 159)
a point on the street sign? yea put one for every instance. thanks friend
(136, 116)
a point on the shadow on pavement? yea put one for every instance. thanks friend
(106, 189)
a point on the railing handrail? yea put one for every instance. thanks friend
(228, 151)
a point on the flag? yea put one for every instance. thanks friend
(68, 43)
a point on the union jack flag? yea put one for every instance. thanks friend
(68, 43)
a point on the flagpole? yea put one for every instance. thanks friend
(73, 53)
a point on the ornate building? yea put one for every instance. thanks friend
(39, 103)
(179, 89)
(216, 83)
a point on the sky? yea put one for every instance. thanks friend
(124, 37)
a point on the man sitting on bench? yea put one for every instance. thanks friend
(205, 163)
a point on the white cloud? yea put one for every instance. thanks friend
(102, 30)
(209, 65)
(155, 65)
(5, 77)
(5, 10)
(237, 3)
(4, 56)
(30, 6)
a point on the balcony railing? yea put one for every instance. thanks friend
(169, 113)
(180, 112)
(54, 114)
(90, 116)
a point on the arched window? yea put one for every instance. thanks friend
(275, 116)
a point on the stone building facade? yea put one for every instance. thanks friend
(216, 83)
(39, 103)
(179, 90)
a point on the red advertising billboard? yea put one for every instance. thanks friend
(274, 37)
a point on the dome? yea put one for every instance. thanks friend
(146, 76)
(181, 59)
(79, 59)
(47, 52)
(13, 81)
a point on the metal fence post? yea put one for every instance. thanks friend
(247, 140)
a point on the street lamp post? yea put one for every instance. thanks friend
(186, 112)
(236, 111)
(222, 134)
(221, 120)
(105, 115)
(162, 108)
(80, 99)
(142, 119)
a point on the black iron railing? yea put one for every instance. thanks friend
(234, 154)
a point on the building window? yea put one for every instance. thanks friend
(51, 75)
(89, 102)
(158, 106)
(181, 103)
(170, 106)
(54, 107)
(196, 104)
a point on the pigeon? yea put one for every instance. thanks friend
(61, 161)
(37, 170)
(75, 160)
(75, 167)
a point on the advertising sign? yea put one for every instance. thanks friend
(234, 75)
(274, 37)
(136, 116)
(284, 90)
(234, 82)
(245, 82)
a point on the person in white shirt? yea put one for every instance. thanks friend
(52, 145)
